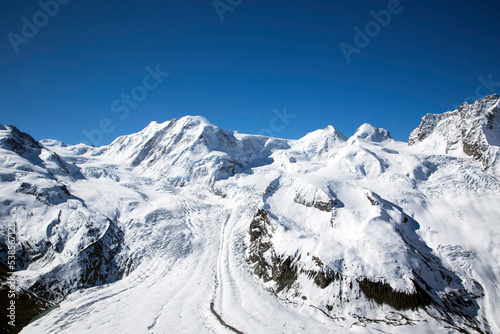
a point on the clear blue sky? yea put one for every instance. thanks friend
(263, 55)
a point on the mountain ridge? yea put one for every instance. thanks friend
(186, 226)
(472, 129)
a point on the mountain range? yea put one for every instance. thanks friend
(185, 227)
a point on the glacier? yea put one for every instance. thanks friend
(185, 227)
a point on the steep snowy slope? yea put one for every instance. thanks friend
(190, 148)
(61, 245)
(213, 231)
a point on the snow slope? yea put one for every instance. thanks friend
(188, 228)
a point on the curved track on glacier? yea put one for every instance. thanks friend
(192, 278)
(240, 302)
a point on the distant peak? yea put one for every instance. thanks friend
(154, 123)
(52, 143)
(321, 141)
(332, 130)
(329, 131)
(193, 120)
(468, 117)
(182, 122)
(371, 133)
(366, 127)
(493, 98)
(479, 108)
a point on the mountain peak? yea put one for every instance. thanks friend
(185, 122)
(473, 129)
(190, 148)
(329, 131)
(19, 142)
(371, 133)
(189, 122)
(321, 141)
(197, 120)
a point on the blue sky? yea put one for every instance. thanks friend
(73, 77)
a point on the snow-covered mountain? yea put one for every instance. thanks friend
(190, 149)
(186, 227)
(471, 129)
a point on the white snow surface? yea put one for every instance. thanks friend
(183, 194)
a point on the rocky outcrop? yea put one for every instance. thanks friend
(18, 142)
(473, 129)
(383, 293)
(260, 242)
(268, 265)
(102, 261)
(326, 205)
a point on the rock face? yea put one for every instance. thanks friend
(17, 141)
(472, 129)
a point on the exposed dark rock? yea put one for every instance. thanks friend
(230, 166)
(53, 195)
(260, 226)
(470, 128)
(372, 201)
(383, 293)
(27, 304)
(260, 235)
(322, 277)
(284, 271)
(103, 261)
(326, 206)
(219, 192)
(20, 142)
